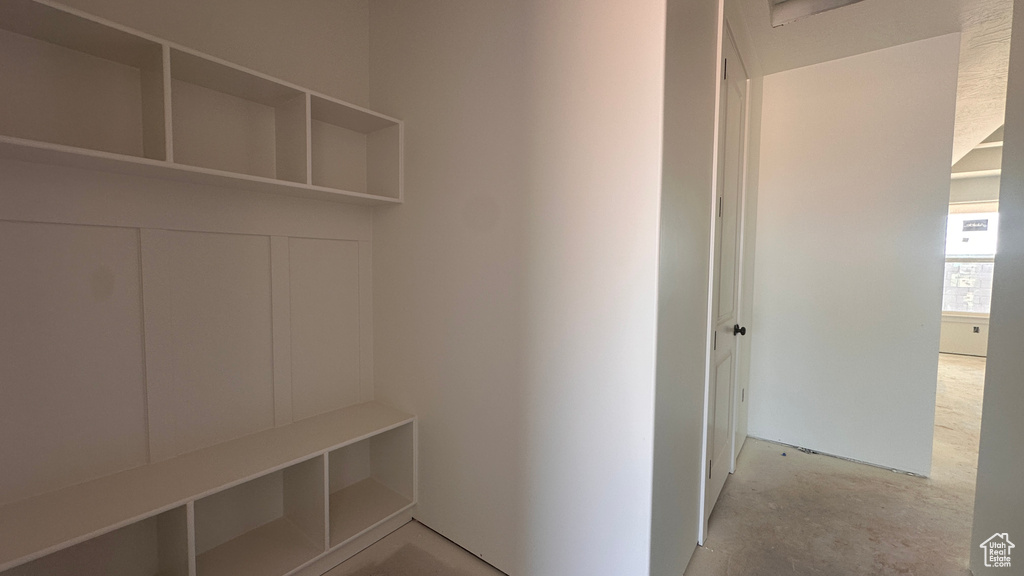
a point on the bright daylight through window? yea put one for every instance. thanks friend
(970, 255)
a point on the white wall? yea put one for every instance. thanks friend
(999, 501)
(979, 189)
(691, 72)
(957, 335)
(851, 222)
(515, 290)
(140, 318)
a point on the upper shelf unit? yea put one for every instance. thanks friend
(85, 92)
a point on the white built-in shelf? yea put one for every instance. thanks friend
(154, 546)
(239, 495)
(85, 92)
(38, 152)
(975, 174)
(361, 506)
(370, 481)
(265, 527)
(272, 549)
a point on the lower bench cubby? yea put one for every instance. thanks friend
(273, 503)
(267, 526)
(156, 546)
(370, 481)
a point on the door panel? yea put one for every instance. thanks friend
(725, 289)
(723, 397)
(729, 221)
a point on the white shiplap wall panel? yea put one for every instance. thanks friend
(81, 217)
(325, 338)
(209, 355)
(72, 390)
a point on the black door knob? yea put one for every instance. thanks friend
(737, 330)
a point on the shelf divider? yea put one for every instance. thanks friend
(168, 130)
(292, 141)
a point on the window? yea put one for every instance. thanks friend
(970, 255)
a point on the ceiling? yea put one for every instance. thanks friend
(876, 24)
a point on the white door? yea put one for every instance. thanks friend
(725, 291)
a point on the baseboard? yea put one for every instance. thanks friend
(854, 460)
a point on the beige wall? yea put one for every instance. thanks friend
(850, 233)
(999, 501)
(516, 289)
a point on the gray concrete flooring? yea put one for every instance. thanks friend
(414, 550)
(801, 514)
(810, 514)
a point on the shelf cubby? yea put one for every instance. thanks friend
(84, 92)
(51, 522)
(267, 526)
(156, 546)
(370, 481)
(229, 119)
(354, 149)
(74, 81)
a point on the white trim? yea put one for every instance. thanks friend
(965, 317)
(710, 320)
(741, 228)
(975, 174)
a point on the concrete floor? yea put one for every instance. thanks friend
(801, 514)
(812, 514)
(414, 550)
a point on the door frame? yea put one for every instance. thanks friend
(725, 35)
(742, 345)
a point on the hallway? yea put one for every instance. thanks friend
(811, 514)
(803, 514)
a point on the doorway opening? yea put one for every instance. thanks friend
(971, 231)
(845, 357)
(723, 399)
